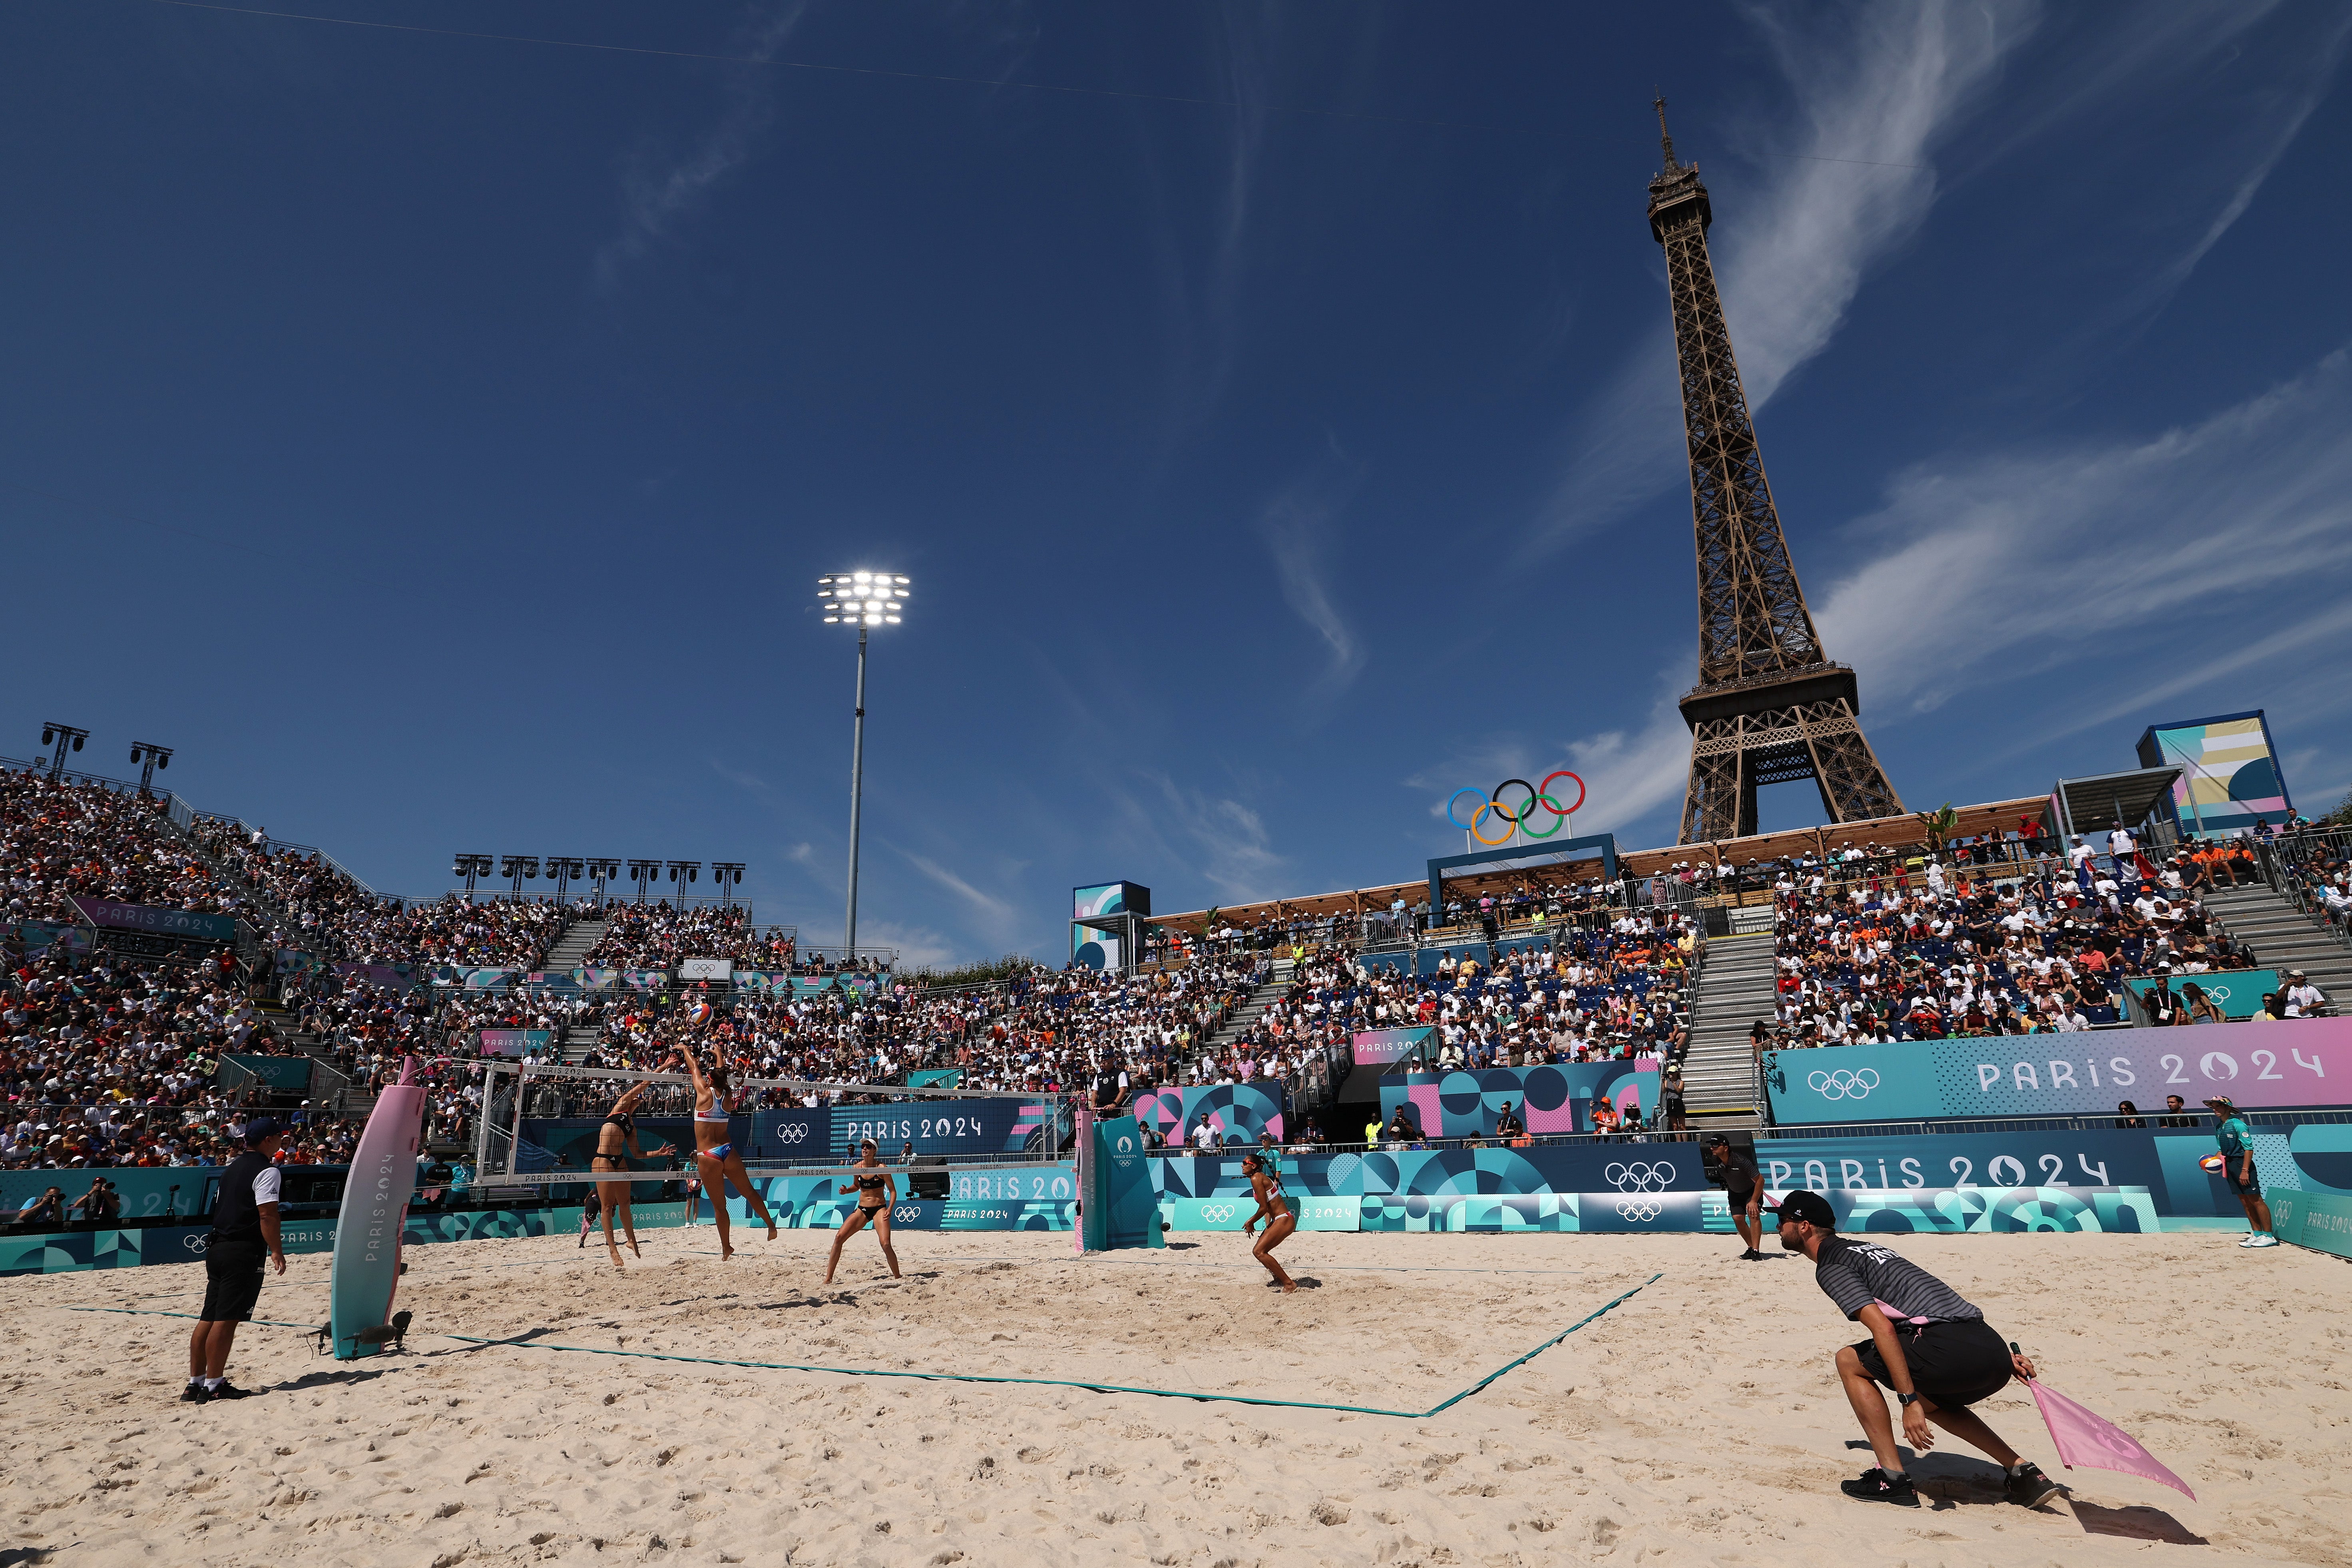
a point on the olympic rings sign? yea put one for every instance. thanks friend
(1217, 1213)
(904, 1216)
(1640, 1176)
(1520, 817)
(1640, 1211)
(792, 1132)
(1844, 1085)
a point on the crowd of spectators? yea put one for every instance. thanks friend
(60, 840)
(1928, 950)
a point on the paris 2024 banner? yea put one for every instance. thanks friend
(2286, 1064)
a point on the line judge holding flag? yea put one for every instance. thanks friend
(1926, 1342)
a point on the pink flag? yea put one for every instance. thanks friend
(2084, 1439)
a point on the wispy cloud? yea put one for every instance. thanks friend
(1882, 83)
(1296, 524)
(2033, 557)
(2276, 120)
(997, 915)
(658, 193)
(1224, 839)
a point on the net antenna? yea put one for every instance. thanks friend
(516, 1089)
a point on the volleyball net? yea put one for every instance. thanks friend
(542, 1122)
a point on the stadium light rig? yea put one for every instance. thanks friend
(154, 756)
(863, 600)
(471, 867)
(67, 738)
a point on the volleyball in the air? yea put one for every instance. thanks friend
(698, 1013)
(2213, 1165)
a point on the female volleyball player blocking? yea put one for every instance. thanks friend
(1273, 1207)
(877, 1189)
(616, 1144)
(714, 1154)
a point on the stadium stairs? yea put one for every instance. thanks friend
(2282, 937)
(1260, 998)
(1733, 990)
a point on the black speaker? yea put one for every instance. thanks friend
(926, 1177)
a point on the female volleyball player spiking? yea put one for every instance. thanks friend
(1273, 1207)
(877, 1189)
(616, 1143)
(714, 1154)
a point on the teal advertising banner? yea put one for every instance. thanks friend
(157, 921)
(935, 1077)
(2284, 1064)
(275, 1072)
(2321, 1221)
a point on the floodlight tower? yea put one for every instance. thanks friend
(601, 870)
(154, 756)
(68, 738)
(471, 867)
(517, 867)
(863, 600)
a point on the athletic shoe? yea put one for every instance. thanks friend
(194, 1394)
(1876, 1485)
(2028, 1487)
(2262, 1238)
(1751, 1255)
(228, 1390)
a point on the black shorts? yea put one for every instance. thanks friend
(232, 1284)
(2251, 1187)
(1952, 1363)
(1740, 1197)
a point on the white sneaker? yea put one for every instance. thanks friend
(2262, 1238)
(2252, 1239)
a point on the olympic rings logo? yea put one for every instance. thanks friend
(905, 1216)
(1218, 1213)
(792, 1132)
(1640, 1177)
(1640, 1211)
(195, 1243)
(1520, 817)
(1844, 1085)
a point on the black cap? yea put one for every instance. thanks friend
(1717, 1138)
(1804, 1204)
(261, 1127)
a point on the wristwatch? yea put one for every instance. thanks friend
(1907, 1400)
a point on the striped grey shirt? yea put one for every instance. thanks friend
(1854, 1274)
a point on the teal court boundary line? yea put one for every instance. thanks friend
(1438, 1408)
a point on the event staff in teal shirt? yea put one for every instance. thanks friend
(2237, 1140)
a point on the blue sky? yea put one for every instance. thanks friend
(438, 439)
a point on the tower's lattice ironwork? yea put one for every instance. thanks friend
(1769, 707)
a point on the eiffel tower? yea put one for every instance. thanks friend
(1769, 707)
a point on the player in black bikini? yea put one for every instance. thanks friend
(877, 1189)
(616, 1144)
(1273, 1207)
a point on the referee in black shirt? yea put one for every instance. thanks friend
(245, 1231)
(1926, 1342)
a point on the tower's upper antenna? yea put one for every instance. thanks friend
(1665, 138)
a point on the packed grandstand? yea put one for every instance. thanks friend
(115, 1057)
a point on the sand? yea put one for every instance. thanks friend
(1698, 1421)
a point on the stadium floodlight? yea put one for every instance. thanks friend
(641, 872)
(67, 738)
(517, 867)
(154, 756)
(726, 874)
(601, 870)
(562, 868)
(471, 867)
(863, 600)
(684, 871)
